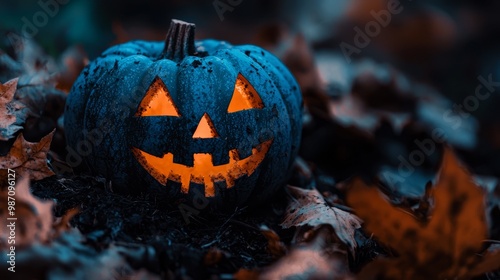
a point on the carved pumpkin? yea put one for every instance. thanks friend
(182, 116)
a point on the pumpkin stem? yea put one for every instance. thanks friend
(180, 40)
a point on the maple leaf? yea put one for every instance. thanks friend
(12, 113)
(29, 158)
(443, 247)
(34, 216)
(310, 208)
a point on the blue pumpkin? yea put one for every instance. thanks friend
(182, 119)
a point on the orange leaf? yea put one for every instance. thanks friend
(274, 244)
(446, 246)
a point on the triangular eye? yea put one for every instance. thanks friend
(245, 97)
(157, 101)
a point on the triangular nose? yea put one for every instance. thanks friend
(205, 128)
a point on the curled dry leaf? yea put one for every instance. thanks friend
(28, 158)
(309, 261)
(67, 257)
(310, 208)
(61, 224)
(33, 216)
(274, 244)
(445, 246)
(12, 113)
(37, 74)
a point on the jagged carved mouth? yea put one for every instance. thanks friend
(203, 171)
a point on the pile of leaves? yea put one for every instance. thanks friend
(351, 211)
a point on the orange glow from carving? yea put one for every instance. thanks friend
(205, 128)
(157, 101)
(203, 171)
(245, 97)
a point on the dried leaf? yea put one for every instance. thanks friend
(12, 113)
(274, 244)
(445, 247)
(309, 261)
(246, 274)
(61, 224)
(33, 216)
(68, 257)
(310, 208)
(29, 158)
(37, 75)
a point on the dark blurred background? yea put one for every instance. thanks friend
(444, 43)
(424, 61)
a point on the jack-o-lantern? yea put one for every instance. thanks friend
(184, 118)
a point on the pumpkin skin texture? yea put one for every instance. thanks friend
(149, 115)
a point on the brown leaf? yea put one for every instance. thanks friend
(34, 216)
(246, 274)
(61, 224)
(309, 261)
(274, 244)
(310, 208)
(445, 247)
(459, 216)
(37, 75)
(29, 158)
(12, 113)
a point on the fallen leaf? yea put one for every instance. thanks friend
(61, 224)
(36, 74)
(309, 261)
(33, 216)
(310, 208)
(274, 244)
(443, 247)
(246, 274)
(28, 57)
(29, 158)
(12, 112)
(68, 257)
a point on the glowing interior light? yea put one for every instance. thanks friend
(157, 101)
(205, 128)
(203, 170)
(244, 97)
